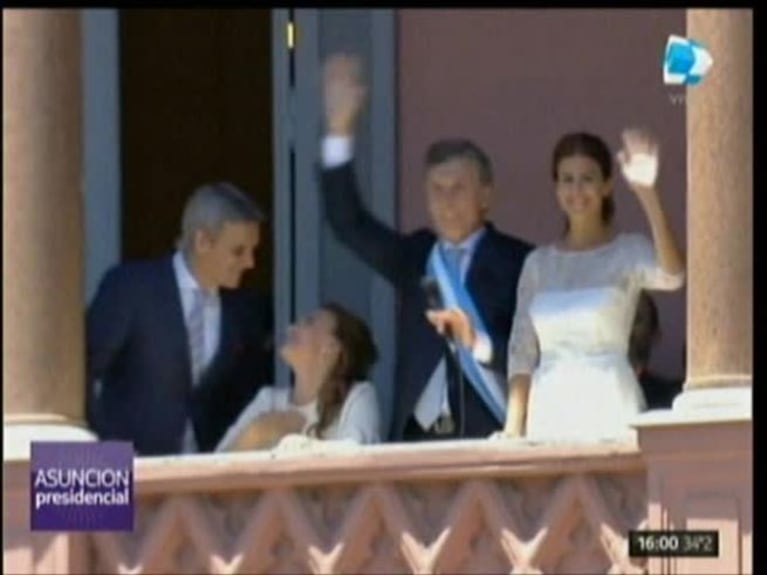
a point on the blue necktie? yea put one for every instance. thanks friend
(454, 257)
(197, 335)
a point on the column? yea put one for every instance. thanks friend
(720, 213)
(43, 324)
(699, 455)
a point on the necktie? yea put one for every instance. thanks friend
(197, 335)
(454, 257)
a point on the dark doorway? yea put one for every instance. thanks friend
(196, 102)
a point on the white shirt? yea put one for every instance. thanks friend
(359, 419)
(337, 150)
(187, 284)
(434, 399)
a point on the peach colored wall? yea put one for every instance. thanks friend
(456, 507)
(474, 506)
(478, 507)
(702, 485)
(515, 80)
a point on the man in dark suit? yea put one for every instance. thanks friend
(174, 350)
(434, 398)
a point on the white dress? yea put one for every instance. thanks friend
(575, 310)
(358, 420)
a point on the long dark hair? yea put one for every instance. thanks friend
(590, 146)
(357, 356)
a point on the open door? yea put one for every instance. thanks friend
(310, 266)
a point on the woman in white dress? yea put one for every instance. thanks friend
(570, 377)
(330, 353)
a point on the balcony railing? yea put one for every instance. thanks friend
(458, 507)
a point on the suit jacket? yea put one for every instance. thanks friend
(401, 258)
(137, 346)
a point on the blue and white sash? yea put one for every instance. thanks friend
(454, 294)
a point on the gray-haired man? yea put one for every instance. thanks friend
(174, 350)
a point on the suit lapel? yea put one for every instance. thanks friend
(226, 343)
(173, 318)
(483, 256)
(172, 313)
(481, 279)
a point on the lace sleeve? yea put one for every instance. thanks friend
(648, 273)
(523, 343)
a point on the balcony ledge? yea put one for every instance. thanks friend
(311, 463)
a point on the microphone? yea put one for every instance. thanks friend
(434, 300)
(430, 289)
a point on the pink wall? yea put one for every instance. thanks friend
(515, 80)
(458, 507)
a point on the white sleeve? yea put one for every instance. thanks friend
(523, 341)
(647, 271)
(336, 150)
(360, 418)
(263, 403)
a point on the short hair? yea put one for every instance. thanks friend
(445, 150)
(212, 205)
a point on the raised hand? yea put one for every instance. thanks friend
(639, 163)
(344, 93)
(639, 160)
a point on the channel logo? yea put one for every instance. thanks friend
(82, 486)
(686, 61)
